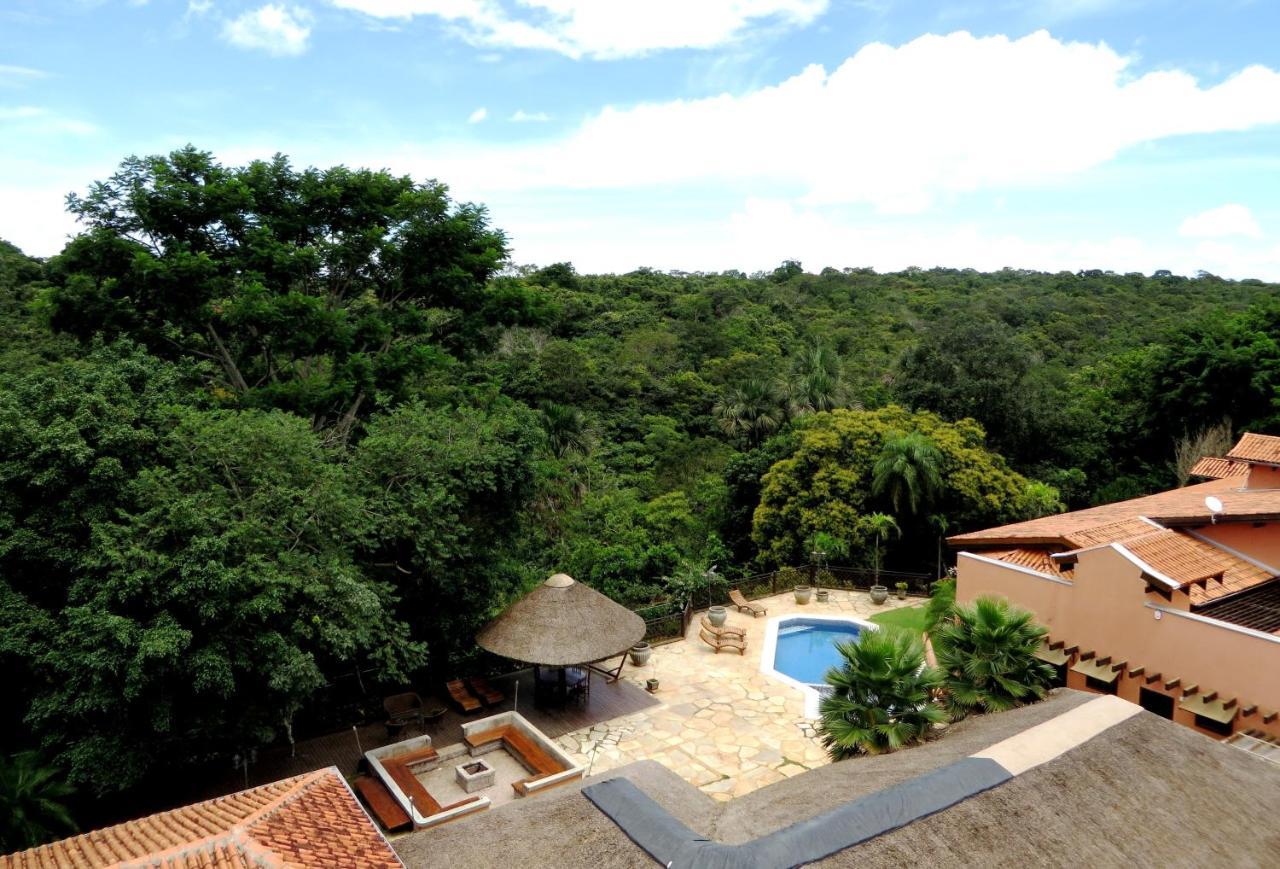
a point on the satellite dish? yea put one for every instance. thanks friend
(1215, 507)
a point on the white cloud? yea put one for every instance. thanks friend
(523, 117)
(35, 120)
(11, 76)
(276, 29)
(478, 115)
(1223, 222)
(592, 28)
(893, 127)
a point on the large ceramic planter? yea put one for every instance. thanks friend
(803, 593)
(879, 594)
(640, 653)
(717, 615)
(823, 595)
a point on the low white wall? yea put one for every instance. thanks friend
(518, 721)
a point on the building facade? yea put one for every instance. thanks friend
(1171, 601)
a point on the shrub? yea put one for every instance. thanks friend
(987, 654)
(881, 695)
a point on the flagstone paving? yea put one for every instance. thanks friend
(723, 726)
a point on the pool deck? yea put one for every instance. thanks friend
(722, 725)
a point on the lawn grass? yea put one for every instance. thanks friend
(911, 618)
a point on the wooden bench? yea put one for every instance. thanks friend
(397, 768)
(522, 748)
(422, 755)
(383, 805)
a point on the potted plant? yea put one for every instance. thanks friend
(651, 685)
(717, 615)
(879, 594)
(640, 653)
(902, 590)
(881, 525)
(803, 593)
(822, 595)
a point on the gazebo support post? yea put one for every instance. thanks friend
(611, 675)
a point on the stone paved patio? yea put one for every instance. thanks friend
(723, 726)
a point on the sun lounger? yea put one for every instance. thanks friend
(737, 644)
(745, 605)
(723, 630)
(460, 695)
(489, 695)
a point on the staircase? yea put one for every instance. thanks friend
(1257, 743)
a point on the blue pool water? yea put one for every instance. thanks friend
(806, 650)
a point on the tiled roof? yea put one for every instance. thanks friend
(1027, 556)
(1213, 468)
(1258, 608)
(1109, 533)
(1178, 556)
(1263, 449)
(309, 820)
(1183, 506)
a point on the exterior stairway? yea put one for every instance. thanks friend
(1257, 743)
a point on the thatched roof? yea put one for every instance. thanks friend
(560, 623)
(1134, 795)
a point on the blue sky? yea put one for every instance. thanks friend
(701, 134)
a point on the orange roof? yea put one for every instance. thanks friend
(1109, 533)
(1213, 468)
(1177, 556)
(1035, 559)
(308, 820)
(1256, 448)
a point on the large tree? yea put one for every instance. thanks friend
(827, 482)
(324, 292)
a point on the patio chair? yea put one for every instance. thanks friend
(745, 605)
(461, 696)
(737, 644)
(723, 630)
(403, 710)
(489, 695)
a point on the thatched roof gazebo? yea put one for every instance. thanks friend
(563, 623)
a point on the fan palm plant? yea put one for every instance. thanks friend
(908, 471)
(880, 696)
(565, 430)
(753, 410)
(31, 803)
(986, 651)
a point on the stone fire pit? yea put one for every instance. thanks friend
(475, 775)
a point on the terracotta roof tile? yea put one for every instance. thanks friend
(1027, 556)
(1213, 468)
(1178, 556)
(1262, 449)
(308, 820)
(1109, 533)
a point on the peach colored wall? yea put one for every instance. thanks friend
(1263, 477)
(1104, 610)
(1260, 543)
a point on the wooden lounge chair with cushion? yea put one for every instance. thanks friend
(460, 695)
(489, 695)
(745, 605)
(723, 630)
(737, 644)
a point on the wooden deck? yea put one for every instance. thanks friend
(606, 701)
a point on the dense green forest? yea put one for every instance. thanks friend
(265, 429)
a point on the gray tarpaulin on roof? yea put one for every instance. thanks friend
(673, 844)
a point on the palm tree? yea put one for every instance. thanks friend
(752, 410)
(880, 526)
(909, 471)
(816, 383)
(880, 696)
(942, 600)
(31, 808)
(986, 651)
(565, 430)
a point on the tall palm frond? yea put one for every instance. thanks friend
(31, 803)
(909, 471)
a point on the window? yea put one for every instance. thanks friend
(1154, 701)
(1214, 726)
(1100, 686)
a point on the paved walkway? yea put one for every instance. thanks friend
(722, 725)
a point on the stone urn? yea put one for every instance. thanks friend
(823, 594)
(717, 615)
(803, 593)
(879, 594)
(640, 653)
(651, 685)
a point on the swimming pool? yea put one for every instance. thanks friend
(799, 650)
